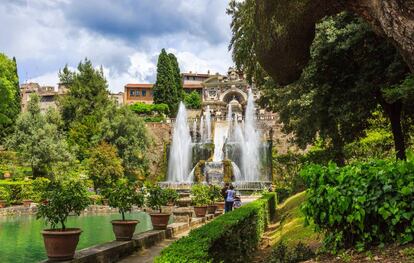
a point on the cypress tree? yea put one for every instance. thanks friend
(168, 87)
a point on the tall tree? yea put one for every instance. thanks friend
(9, 95)
(85, 105)
(167, 88)
(341, 86)
(177, 77)
(37, 141)
(127, 132)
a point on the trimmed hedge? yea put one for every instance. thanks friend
(14, 189)
(231, 237)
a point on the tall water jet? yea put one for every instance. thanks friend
(251, 144)
(180, 153)
(220, 134)
(208, 123)
(195, 130)
(202, 139)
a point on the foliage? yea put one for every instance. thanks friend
(4, 194)
(39, 186)
(62, 198)
(231, 237)
(123, 195)
(104, 165)
(154, 118)
(172, 195)
(363, 204)
(156, 197)
(84, 106)
(143, 108)
(168, 87)
(200, 194)
(198, 171)
(14, 189)
(214, 193)
(228, 171)
(282, 254)
(127, 132)
(9, 95)
(192, 100)
(37, 141)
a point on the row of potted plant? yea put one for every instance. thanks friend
(204, 199)
(70, 197)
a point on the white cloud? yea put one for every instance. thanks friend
(43, 39)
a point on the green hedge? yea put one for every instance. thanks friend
(231, 237)
(142, 108)
(14, 189)
(362, 204)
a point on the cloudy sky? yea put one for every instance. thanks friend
(124, 36)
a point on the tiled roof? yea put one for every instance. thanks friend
(143, 85)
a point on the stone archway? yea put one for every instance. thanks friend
(234, 93)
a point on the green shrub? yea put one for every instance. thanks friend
(200, 195)
(156, 197)
(362, 204)
(172, 195)
(145, 109)
(39, 186)
(15, 189)
(214, 193)
(4, 194)
(158, 118)
(231, 237)
(123, 195)
(282, 254)
(62, 198)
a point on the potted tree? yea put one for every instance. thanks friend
(213, 194)
(62, 198)
(123, 195)
(172, 196)
(26, 194)
(200, 199)
(156, 198)
(4, 196)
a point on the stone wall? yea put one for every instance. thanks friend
(160, 136)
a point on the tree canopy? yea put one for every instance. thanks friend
(168, 86)
(9, 95)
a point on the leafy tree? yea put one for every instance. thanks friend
(192, 100)
(37, 141)
(104, 165)
(168, 87)
(9, 95)
(85, 105)
(127, 132)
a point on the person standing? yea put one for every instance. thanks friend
(224, 191)
(229, 199)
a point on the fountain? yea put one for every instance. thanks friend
(235, 153)
(181, 149)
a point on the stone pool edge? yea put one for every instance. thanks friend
(116, 250)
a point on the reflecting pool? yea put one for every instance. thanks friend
(21, 240)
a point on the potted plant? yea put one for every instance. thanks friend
(26, 194)
(172, 196)
(200, 199)
(213, 194)
(61, 199)
(156, 198)
(4, 196)
(123, 195)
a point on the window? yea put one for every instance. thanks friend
(193, 78)
(144, 93)
(137, 92)
(132, 93)
(188, 77)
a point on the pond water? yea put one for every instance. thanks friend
(21, 240)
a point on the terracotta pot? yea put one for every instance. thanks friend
(61, 245)
(220, 205)
(200, 211)
(124, 229)
(27, 202)
(3, 203)
(159, 220)
(211, 209)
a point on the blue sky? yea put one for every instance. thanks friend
(124, 36)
